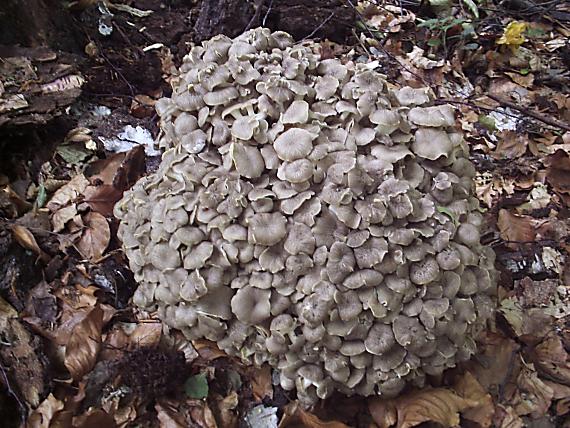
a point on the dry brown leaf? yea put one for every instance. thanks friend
(558, 171)
(208, 350)
(27, 240)
(146, 334)
(525, 81)
(468, 387)
(516, 228)
(294, 417)
(438, 405)
(169, 416)
(532, 397)
(84, 344)
(115, 175)
(62, 216)
(102, 198)
(43, 415)
(95, 237)
(552, 360)
(512, 145)
(68, 193)
(226, 411)
(505, 417)
(261, 384)
(95, 418)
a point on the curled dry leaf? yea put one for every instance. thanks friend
(95, 237)
(169, 416)
(513, 145)
(468, 387)
(261, 384)
(294, 416)
(68, 193)
(114, 175)
(438, 405)
(515, 228)
(551, 359)
(27, 240)
(208, 350)
(43, 415)
(558, 172)
(532, 397)
(225, 410)
(146, 335)
(84, 344)
(505, 417)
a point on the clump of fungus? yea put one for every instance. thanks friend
(308, 215)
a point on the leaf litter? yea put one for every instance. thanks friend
(500, 70)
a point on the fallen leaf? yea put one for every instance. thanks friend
(84, 344)
(513, 34)
(95, 236)
(532, 397)
(115, 175)
(62, 216)
(95, 418)
(103, 198)
(73, 154)
(437, 405)
(208, 350)
(516, 229)
(226, 410)
(551, 359)
(505, 417)
(261, 384)
(43, 415)
(169, 416)
(512, 145)
(558, 171)
(146, 334)
(197, 386)
(68, 192)
(27, 240)
(295, 416)
(468, 387)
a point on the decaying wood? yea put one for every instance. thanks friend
(331, 19)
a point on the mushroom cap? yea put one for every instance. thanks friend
(293, 144)
(431, 143)
(251, 305)
(266, 228)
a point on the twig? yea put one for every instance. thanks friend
(267, 13)
(549, 121)
(312, 33)
(257, 6)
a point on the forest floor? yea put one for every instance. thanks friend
(76, 131)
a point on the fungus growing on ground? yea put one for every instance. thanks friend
(308, 215)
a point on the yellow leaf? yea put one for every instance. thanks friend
(513, 34)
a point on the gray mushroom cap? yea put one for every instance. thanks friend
(251, 305)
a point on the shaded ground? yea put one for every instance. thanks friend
(74, 352)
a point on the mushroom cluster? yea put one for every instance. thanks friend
(307, 215)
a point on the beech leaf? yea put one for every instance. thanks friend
(438, 405)
(84, 344)
(95, 237)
